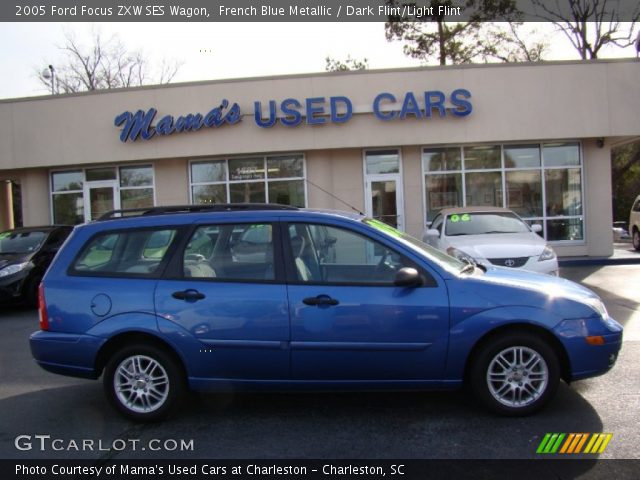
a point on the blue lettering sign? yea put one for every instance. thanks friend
(464, 107)
(138, 125)
(376, 107)
(313, 109)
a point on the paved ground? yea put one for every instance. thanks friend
(375, 425)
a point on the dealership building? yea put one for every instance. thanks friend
(397, 144)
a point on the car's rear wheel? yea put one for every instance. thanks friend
(143, 382)
(515, 374)
(636, 239)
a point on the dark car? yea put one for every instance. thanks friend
(25, 255)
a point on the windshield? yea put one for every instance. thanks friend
(441, 258)
(21, 242)
(482, 223)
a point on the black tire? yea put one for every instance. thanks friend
(152, 397)
(636, 239)
(533, 384)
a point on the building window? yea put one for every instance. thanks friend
(271, 179)
(67, 197)
(541, 182)
(80, 195)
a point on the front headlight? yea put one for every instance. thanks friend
(460, 255)
(547, 254)
(11, 269)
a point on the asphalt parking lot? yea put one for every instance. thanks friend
(328, 425)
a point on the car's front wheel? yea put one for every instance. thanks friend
(143, 382)
(515, 374)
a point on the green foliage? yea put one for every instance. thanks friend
(432, 36)
(625, 179)
(333, 65)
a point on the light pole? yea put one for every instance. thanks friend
(50, 73)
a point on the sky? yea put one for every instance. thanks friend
(222, 50)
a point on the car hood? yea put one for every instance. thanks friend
(549, 285)
(499, 245)
(11, 258)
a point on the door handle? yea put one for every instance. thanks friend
(188, 295)
(320, 300)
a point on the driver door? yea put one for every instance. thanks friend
(349, 321)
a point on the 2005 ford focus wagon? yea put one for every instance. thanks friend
(272, 297)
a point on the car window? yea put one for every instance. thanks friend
(57, 237)
(482, 223)
(21, 242)
(636, 206)
(327, 254)
(437, 223)
(134, 252)
(231, 252)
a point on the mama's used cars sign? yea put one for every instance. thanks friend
(292, 112)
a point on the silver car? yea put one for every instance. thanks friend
(491, 236)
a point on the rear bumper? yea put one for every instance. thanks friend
(66, 354)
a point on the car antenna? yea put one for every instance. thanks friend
(335, 197)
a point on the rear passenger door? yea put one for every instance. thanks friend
(225, 287)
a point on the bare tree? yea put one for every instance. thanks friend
(508, 44)
(106, 63)
(333, 65)
(591, 24)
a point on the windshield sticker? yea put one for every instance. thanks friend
(465, 217)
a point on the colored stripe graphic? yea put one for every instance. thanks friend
(553, 443)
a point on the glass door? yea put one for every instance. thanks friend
(383, 187)
(100, 198)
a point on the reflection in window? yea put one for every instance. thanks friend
(384, 161)
(67, 181)
(521, 156)
(561, 155)
(524, 192)
(484, 189)
(136, 176)
(441, 159)
(443, 191)
(540, 181)
(563, 192)
(482, 157)
(274, 179)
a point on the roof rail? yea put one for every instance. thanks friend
(215, 207)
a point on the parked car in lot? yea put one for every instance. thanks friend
(272, 297)
(491, 236)
(25, 254)
(634, 223)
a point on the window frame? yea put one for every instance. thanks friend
(117, 179)
(175, 268)
(503, 170)
(266, 181)
(157, 274)
(289, 264)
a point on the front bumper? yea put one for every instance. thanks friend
(588, 360)
(66, 354)
(12, 287)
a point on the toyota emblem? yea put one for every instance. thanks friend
(509, 262)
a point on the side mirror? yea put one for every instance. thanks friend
(432, 232)
(408, 277)
(536, 227)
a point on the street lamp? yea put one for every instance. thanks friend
(50, 73)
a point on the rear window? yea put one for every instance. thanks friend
(127, 253)
(21, 242)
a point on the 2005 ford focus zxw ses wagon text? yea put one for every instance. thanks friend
(274, 297)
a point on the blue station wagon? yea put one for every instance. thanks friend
(168, 299)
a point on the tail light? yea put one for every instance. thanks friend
(42, 309)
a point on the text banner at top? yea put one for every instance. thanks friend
(292, 10)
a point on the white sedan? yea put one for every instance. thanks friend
(491, 236)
